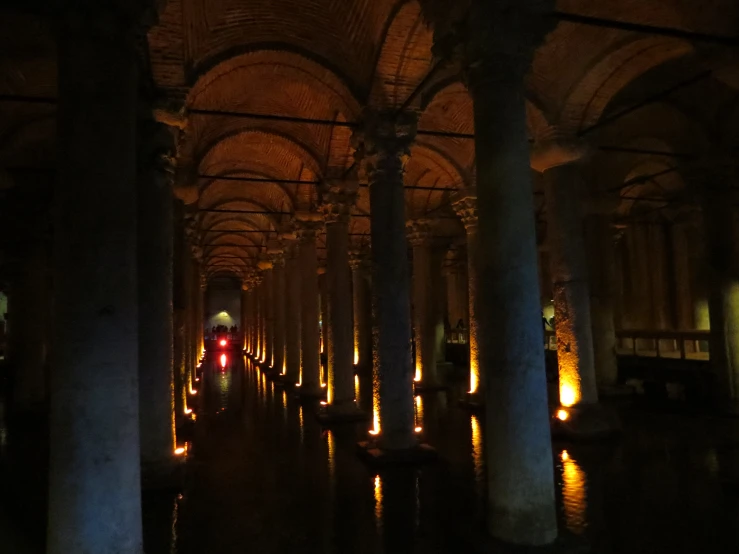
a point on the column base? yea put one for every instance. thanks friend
(375, 456)
(163, 476)
(334, 415)
(585, 423)
(472, 401)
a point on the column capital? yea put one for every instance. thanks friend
(276, 255)
(383, 143)
(306, 224)
(556, 150)
(419, 232)
(465, 206)
(358, 259)
(337, 202)
(264, 264)
(493, 41)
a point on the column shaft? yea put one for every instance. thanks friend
(387, 145)
(269, 318)
(362, 317)
(155, 356)
(30, 311)
(568, 266)
(518, 443)
(341, 349)
(423, 314)
(292, 316)
(94, 479)
(278, 277)
(602, 256)
(310, 377)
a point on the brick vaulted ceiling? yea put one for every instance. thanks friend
(329, 59)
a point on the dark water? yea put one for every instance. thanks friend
(263, 476)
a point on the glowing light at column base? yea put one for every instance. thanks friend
(179, 451)
(569, 394)
(417, 376)
(474, 379)
(356, 356)
(563, 415)
(223, 360)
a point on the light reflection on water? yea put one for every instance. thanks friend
(477, 453)
(574, 494)
(378, 503)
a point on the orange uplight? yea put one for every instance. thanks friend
(223, 360)
(188, 411)
(323, 403)
(418, 429)
(562, 415)
(180, 451)
(323, 385)
(223, 342)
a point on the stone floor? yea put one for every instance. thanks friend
(264, 477)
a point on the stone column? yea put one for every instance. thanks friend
(337, 203)
(466, 207)
(601, 248)
(245, 298)
(269, 312)
(278, 296)
(259, 311)
(683, 297)
(457, 292)
(310, 376)
(94, 460)
(292, 314)
(568, 267)
(518, 443)
(424, 323)
(387, 140)
(323, 302)
(722, 252)
(201, 314)
(179, 313)
(361, 313)
(29, 314)
(155, 324)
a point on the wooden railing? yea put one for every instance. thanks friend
(683, 345)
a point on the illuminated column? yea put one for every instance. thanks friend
(94, 497)
(310, 378)
(201, 314)
(601, 248)
(361, 313)
(258, 314)
(245, 299)
(269, 311)
(337, 203)
(155, 258)
(179, 314)
(556, 159)
(465, 205)
(292, 312)
(387, 139)
(278, 300)
(325, 327)
(518, 450)
(722, 252)
(419, 237)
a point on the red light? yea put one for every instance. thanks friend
(223, 360)
(223, 342)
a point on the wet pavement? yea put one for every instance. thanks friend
(264, 477)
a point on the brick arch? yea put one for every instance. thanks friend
(405, 57)
(611, 73)
(346, 34)
(429, 167)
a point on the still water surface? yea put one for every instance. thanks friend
(264, 476)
